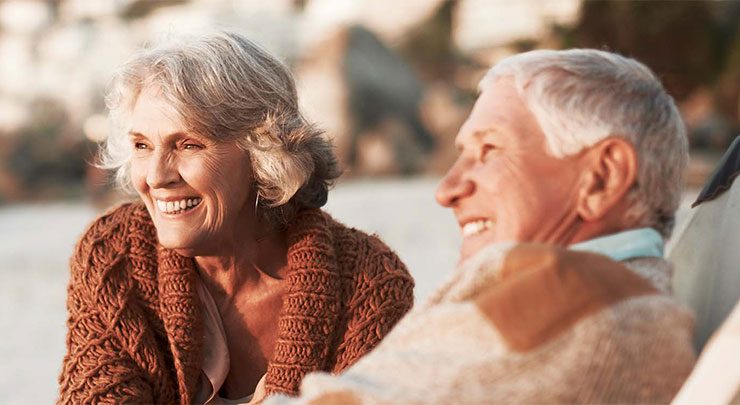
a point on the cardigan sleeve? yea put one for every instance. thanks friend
(382, 297)
(97, 367)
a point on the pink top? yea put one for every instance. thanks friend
(216, 363)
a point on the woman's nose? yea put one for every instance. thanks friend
(454, 186)
(162, 171)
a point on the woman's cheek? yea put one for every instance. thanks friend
(138, 176)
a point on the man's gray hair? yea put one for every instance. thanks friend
(229, 89)
(583, 96)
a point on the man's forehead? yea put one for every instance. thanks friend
(499, 113)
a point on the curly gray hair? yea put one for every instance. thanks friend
(229, 89)
(582, 96)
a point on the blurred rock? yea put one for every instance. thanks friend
(43, 159)
(322, 90)
(354, 86)
(382, 87)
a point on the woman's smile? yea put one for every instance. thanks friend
(177, 206)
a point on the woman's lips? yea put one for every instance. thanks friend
(177, 206)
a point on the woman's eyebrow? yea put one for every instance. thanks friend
(178, 134)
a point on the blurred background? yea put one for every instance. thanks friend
(389, 81)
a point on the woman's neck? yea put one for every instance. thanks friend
(251, 263)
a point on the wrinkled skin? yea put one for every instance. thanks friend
(171, 163)
(507, 185)
(241, 260)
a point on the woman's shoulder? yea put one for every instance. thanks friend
(358, 255)
(117, 222)
(366, 254)
(110, 236)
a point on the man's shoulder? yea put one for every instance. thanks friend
(537, 292)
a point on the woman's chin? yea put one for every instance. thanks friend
(175, 242)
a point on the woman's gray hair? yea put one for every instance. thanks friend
(583, 96)
(229, 89)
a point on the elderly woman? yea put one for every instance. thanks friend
(226, 278)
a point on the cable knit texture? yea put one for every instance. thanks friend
(135, 324)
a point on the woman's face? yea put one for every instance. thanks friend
(196, 189)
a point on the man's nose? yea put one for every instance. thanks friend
(162, 171)
(454, 186)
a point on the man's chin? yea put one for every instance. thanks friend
(466, 252)
(472, 247)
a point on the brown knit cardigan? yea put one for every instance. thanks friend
(135, 323)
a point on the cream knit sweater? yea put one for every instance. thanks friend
(527, 324)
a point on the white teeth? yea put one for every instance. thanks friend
(475, 227)
(175, 206)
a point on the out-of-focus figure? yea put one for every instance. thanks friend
(704, 254)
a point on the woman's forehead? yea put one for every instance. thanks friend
(152, 114)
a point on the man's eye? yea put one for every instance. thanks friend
(140, 145)
(486, 150)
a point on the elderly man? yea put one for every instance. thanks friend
(568, 176)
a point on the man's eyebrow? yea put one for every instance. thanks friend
(486, 131)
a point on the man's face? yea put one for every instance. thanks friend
(504, 186)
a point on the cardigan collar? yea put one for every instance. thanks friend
(180, 309)
(308, 317)
(311, 306)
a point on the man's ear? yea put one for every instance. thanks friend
(610, 170)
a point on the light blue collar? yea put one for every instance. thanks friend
(643, 242)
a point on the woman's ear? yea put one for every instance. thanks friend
(609, 172)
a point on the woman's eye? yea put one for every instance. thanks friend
(140, 145)
(192, 146)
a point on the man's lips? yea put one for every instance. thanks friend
(474, 227)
